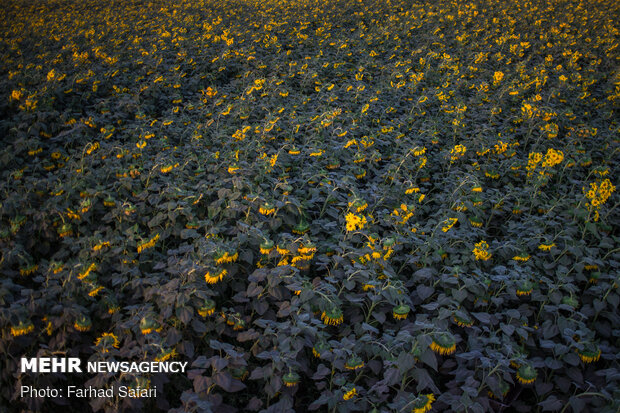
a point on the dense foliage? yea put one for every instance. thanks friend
(321, 205)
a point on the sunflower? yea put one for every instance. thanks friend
(266, 247)
(301, 228)
(546, 246)
(320, 348)
(111, 304)
(349, 394)
(216, 277)
(354, 363)
(267, 209)
(83, 323)
(56, 267)
(525, 288)
(282, 249)
(28, 269)
(240, 373)
(22, 328)
(462, 320)
(207, 309)
(590, 353)
(307, 249)
(95, 290)
(526, 374)
(504, 388)
(65, 230)
(444, 344)
(106, 341)
(332, 316)
(291, 379)
(523, 257)
(475, 222)
(224, 257)
(400, 312)
(239, 325)
(147, 326)
(166, 354)
(423, 403)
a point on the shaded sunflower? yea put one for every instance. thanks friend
(423, 403)
(320, 348)
(526, 374)
(107, 341)
(332, 316)
(400, 312)
(291, 379)
(443, 344)
(83, 323)
(590, 353)
(207, 309)
(22, 328)
(462, 319)
(354, 363)
(524, 288)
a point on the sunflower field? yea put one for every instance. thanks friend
(331, 206)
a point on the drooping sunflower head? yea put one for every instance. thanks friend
(240, 373)
(590, 352)
(301, 228)
(400, 312)
(443, 344)
(332, 316)
(23, 327)
(526, 374)
(503, 387)
(266, 247)
(107, 341)
(148, 325)
(207, 309)
(320, 348)
(166, 354)
(462, 319)
(82, 323)
(291, 379)
(354, 363)
(524, 288)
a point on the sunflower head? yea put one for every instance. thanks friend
(266, 247)
(503, 387)
(166, 354)
(240, 373)
(22, 328)
(148, 325)
(462, 319)
(400, 312)
(301, 228)
(423, 403)
(443, 344)
(208, 308)
(570, 301)
(320, 348)
(589, 353)
(332, 316)
(524, 288)
(107, 341)
(83, 323)
(526, 374)
(354, 363)
(291, 379)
